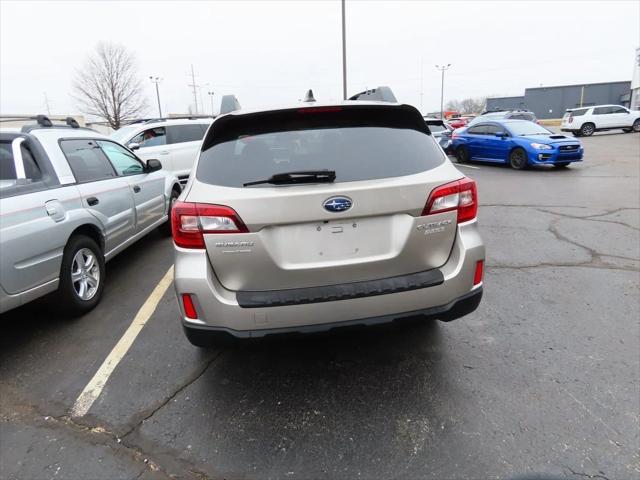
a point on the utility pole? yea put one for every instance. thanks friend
(211, 97)
(157, 80)
(46, 103)
(344, 54)
(442, 69)
(194, 86)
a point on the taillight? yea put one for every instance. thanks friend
(189, 221)
(570, 119)
(461, 195)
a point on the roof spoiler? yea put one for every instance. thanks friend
(228, 104)
(380, 94)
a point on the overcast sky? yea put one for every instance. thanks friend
(270, 52)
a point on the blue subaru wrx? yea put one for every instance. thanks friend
(519, 143)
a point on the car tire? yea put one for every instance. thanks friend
(165, 228)
(82, 276)
(636, 125)
(462, 154)
(518, 159)
(587, 129)
(207, 339)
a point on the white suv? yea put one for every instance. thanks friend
(175, 142)
(587, 120)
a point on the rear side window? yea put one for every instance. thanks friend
(186, 133)
(357, 146)
(87, 161)
(579, 113)
(478, 130)
(7, 166)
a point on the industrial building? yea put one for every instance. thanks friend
(551, 102)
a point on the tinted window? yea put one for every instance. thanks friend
(7, 166)
(579, 113)
(186, 133)
(436, 128)
(478, 130)
(151, 137)
(122, 159)
(602, 110)
(87, 161)
(355, 153)
(493, 129)
(619, 110)
(523, 116)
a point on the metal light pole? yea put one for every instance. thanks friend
(442, 69)
(211, 97)
(157, 80)
(344, 55)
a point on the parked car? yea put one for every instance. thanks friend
(504, 115)
(70, 200)
(174, 141)
(441, 131)
(460, 122)
(309, 218)
(519, 143)
(585, 121)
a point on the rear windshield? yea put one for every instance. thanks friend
(436, 128)
(353, 152)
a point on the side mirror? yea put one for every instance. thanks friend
(153, 165)
(133, 146)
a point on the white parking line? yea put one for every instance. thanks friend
(93, 389)
(467, 166)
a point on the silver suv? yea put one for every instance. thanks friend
(71, 199)
(321, 216)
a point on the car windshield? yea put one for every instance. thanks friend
(524, 127)
(123, 134)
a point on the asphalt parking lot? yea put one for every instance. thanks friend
(543, 378)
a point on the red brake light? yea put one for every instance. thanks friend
(189, 221)
(461, 195)
(189, 307)
(477, 276)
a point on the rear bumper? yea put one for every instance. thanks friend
(219, 310)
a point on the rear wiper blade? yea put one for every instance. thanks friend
(305, 176)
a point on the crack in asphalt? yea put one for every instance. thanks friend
(587, 475)
(170, 397)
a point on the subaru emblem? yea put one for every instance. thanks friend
(337, 204)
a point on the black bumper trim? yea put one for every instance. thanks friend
(344, 291)
(457, 308)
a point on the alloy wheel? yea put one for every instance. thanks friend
(85, 274)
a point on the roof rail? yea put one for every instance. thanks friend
(380, 94)
(162, 119)
(229, 103)
(42, 121)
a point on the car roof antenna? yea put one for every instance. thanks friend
(309, 96)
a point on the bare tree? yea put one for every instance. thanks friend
(468, 105)
(108, 86)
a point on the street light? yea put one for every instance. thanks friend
(442, 69)
(211, 97)
(344, 53)
(157, 80)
